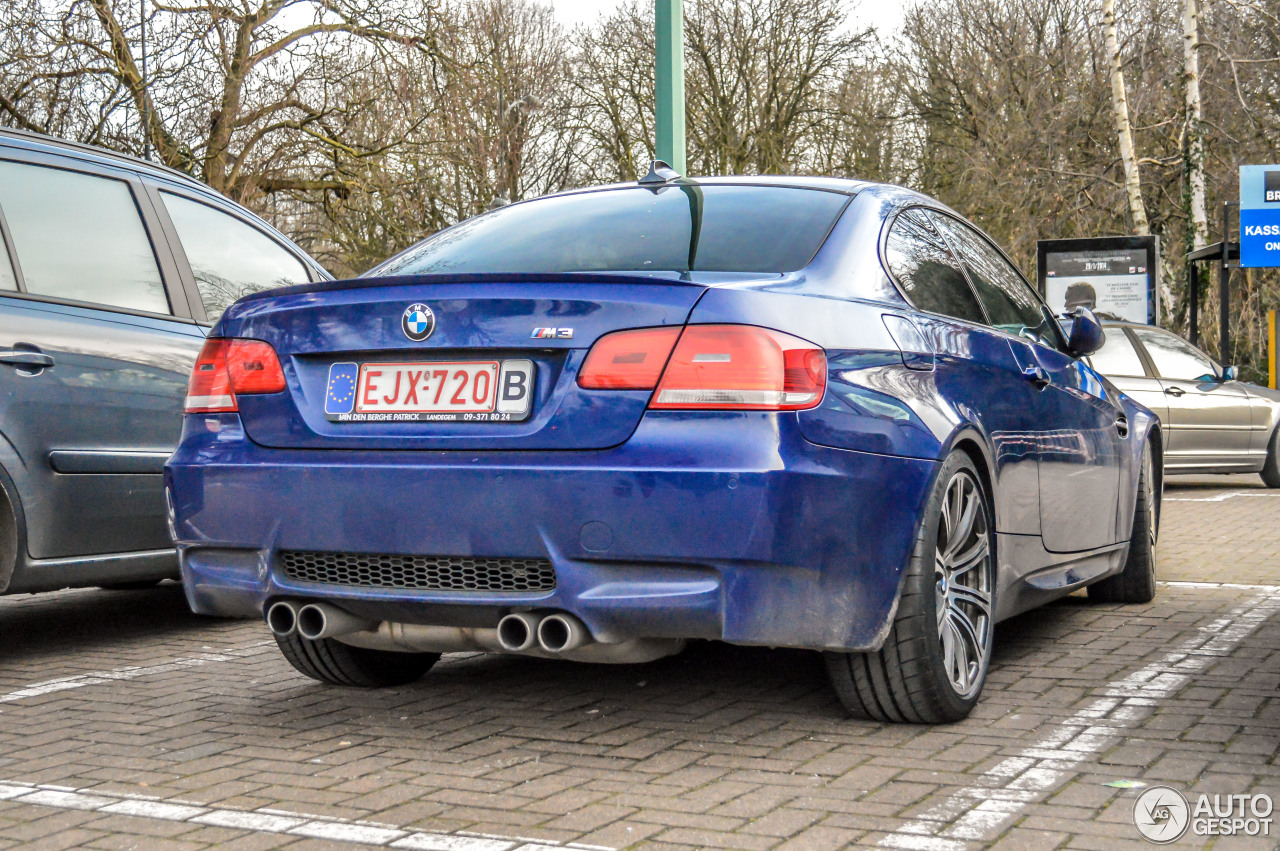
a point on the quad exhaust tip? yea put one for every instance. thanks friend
(560, 633)
(523, 632)
(320, 620)
(313, 621)
(282, 618)
(519, 632)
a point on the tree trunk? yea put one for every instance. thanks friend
(1194, 136)
(126, 71)
(1120, 112)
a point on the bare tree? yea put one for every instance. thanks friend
(237, 84)
(495, 128)
(1120, 114)
(1194, 127)
(613, 92)
(760, 78)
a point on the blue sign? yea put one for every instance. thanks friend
(1260, 215)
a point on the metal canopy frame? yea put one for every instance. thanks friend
(1221, 253)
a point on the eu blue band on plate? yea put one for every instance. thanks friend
(341, 396)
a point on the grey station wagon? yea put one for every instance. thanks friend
(1212, 422)
(111, 272)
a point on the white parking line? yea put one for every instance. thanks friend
(976, 813)
(128, 672)
(1235, 586)
(293, 824)
(1222, 497)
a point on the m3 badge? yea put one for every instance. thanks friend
(552, 334)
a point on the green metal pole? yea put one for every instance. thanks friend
(669, 93)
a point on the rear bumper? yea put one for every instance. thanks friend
(724, 526)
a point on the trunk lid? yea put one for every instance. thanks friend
(478, 318)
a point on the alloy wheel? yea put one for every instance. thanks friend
(963, 584)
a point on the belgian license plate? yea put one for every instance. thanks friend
(435, 391)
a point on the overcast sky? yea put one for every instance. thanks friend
(884, 15)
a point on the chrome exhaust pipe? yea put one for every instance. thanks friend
(519, 632)
(561, 633)
(282, 617)
(320, 620)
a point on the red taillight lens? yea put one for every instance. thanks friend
(227, 367)
(254, 367)
(741, 367)
(628, 360)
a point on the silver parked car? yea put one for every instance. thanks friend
(1213, 423)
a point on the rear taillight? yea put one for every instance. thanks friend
(712, 367)
(227, 367)
(742, 367)
(628, 360)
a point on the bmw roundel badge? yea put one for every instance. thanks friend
(418, 322)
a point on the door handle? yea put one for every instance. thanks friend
(1122, 425)
(17, 357)
(1036, 375)
(1174, 391)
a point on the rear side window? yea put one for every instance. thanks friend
(1174, 357)
(80, 237)
(1117, 356)
(676, 228)
(8, 281)
(926, 269)
(1010, 304)
(229, 258)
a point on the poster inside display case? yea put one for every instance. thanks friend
(1116, 277)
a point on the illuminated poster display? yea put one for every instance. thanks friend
(1116, 277)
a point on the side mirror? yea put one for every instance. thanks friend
(1087, 335)
(1230, 373)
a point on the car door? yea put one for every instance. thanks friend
(1126, 368)
(98, 347)
(1210, 421)
(975, 368)
(1075, 424)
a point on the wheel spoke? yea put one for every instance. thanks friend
(964, 525)
(971, 557)
(949, 649)
(959, 667)
(945, 524)
(975, 597)
(970, 642)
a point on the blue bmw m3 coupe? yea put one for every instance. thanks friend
(795, 412)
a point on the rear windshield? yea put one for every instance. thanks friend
(677, 228)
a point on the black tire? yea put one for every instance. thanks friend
(910, 678)
(341, 664)
(1271, 469)
(1137, 582)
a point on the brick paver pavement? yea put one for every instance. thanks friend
(120, 697)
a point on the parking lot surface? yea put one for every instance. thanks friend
(126, 722)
